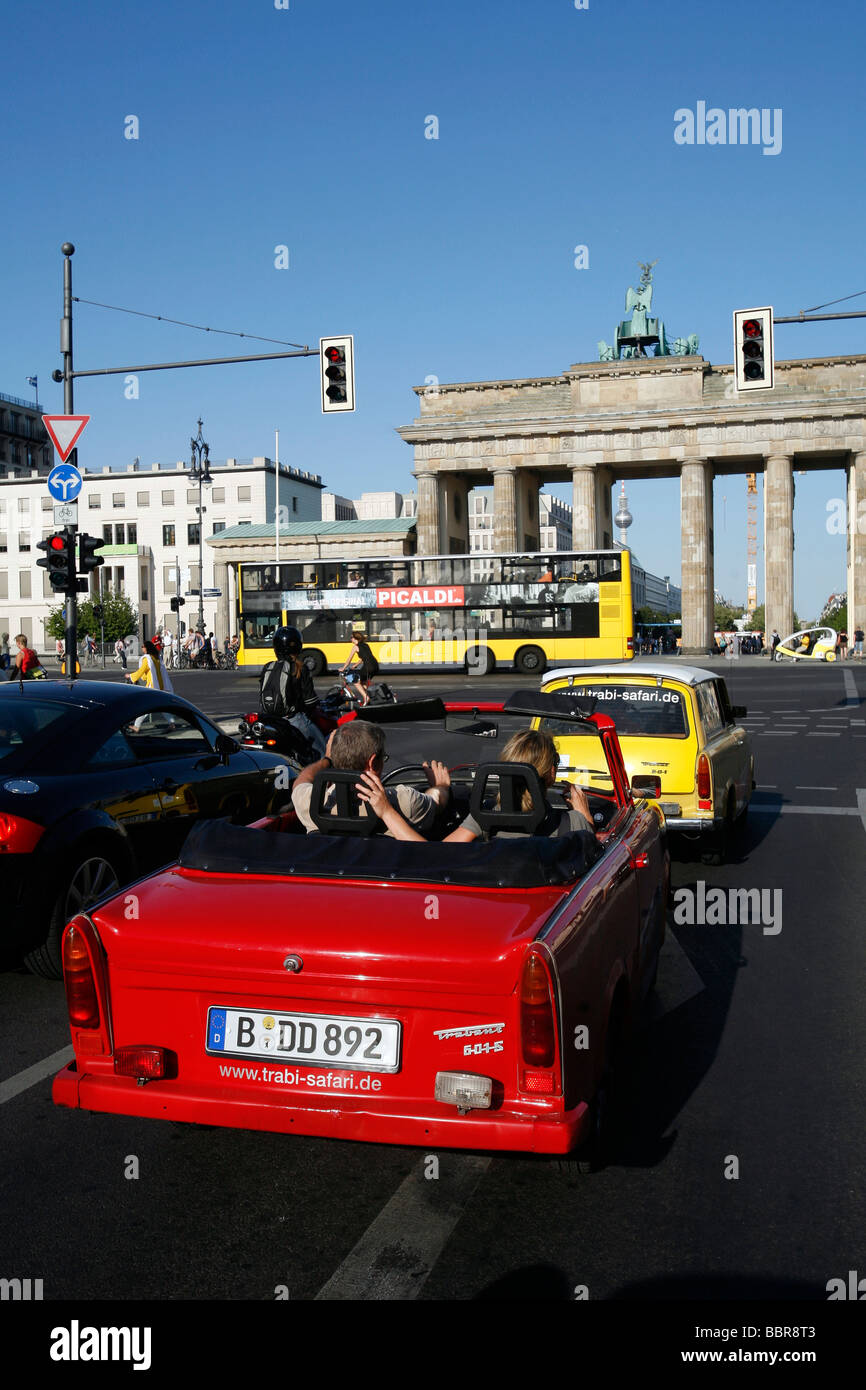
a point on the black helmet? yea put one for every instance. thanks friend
(287, 643)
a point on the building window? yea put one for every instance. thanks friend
(192, 497)
(24, 584)
(108, 534)
(118, 499)
(245, 494)
(219, 494)
(24, 509)
(193, 532)
(218, 526)
(169, 579)
(168, 535)
(142, 588)
(294, 504)
(47, 504)
(168, 499)
(4, 544)
(131, 533)
(4, 584)
(142, 499)
(94, 501)
(23, 540)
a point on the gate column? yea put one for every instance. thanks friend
(696, 515)
(778, 545)
(856, 545)
(427, 529)
(583, 521)
(505, 541)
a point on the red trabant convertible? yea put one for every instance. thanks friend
(351, 985)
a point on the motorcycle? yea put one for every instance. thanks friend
(273, 734)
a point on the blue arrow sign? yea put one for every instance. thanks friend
(64, 482)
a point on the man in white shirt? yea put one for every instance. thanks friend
(360, 747)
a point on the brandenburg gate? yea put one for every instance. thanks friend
(648, 417)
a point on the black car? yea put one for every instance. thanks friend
(99, 785)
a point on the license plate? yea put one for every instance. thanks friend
(369, 1044)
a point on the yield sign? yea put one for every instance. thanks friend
(65, 431)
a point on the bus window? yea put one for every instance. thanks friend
(609, 568)
(259, 628)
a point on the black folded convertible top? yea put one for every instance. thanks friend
(531, 861)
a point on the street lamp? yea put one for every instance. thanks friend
(199, 471)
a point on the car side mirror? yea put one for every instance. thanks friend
(649, 787)
(225, 746)
(739, 711)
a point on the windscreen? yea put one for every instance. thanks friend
(648, 711)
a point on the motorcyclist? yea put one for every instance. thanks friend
(286, 688)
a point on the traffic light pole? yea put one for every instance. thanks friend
(69, 409)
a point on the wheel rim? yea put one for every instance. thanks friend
(92, 880)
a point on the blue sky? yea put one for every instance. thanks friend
(452, 257)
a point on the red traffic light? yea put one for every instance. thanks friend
(57, 543)
(335, 354)
(753, 328)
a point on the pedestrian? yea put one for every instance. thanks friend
(26, 665)
(776, 639)
(842, 646)
(120, 652)
(59, 649)
(151, 671)
(4, 651)
(168, 651)
(89, 648)
(208, 652)
(858, 643)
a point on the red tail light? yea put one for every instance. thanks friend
(537, 1017)
(705, 789)
(17, 835)
(629, 644)
(86, 989)
(146, 1063)
(81, 995)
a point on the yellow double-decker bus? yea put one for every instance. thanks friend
(471, 612)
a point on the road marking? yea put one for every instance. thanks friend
(802, 787)
(861, 804)
(31, 1075)
(804, 810)
(678, 980)
(777, 733)
(851, 696)
(823, 733)
(396, 1254)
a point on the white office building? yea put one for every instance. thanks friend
(148, 518)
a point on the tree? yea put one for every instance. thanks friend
(724, 615)
(835, 613)
(120, 617)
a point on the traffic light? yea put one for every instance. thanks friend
(337, 356)
(59, 561)
(177, 603)
(87, 558)
(753, 349)
(98, 612)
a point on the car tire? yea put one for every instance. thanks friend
(93, 876)
(314, 661)
(530, 661)
(724, 838)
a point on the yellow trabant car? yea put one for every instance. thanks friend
(675, 723)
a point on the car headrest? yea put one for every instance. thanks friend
(513, 780)
(349, 817)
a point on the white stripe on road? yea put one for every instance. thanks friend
(804, 810)
(823, 733)
(851, 696)
(397, 1252)
(31, 1075)
(861, 803)
(801, 787)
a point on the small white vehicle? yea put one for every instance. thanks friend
(812, 644)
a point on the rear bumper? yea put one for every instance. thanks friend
(342, 1117)
(704, 825)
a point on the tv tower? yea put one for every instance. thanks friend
(623, 518)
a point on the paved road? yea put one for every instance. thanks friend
(753, 1065)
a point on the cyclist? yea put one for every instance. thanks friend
(359, 669)
(286, 688)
